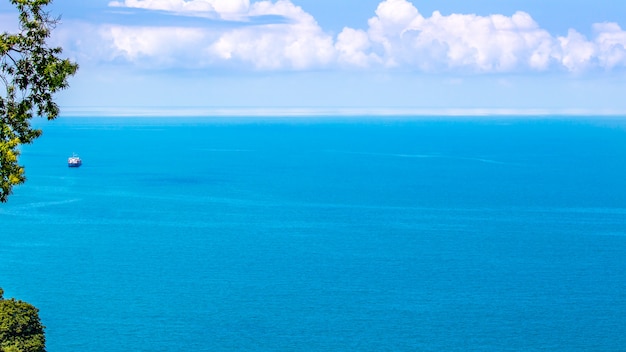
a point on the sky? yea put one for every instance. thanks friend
(341, 56)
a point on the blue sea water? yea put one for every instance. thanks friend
(379, 234)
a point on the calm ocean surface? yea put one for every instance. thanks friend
(462, 234)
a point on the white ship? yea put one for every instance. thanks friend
(74, 161)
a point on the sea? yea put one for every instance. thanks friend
(375, 233)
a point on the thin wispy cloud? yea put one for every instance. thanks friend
(225, 9)
(397, 37)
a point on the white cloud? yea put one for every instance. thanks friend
(493, 43)
(298, 44)
(226, 9)
(611, 43)
(163, 46)
(352, 47)
(397, 36)
(295, 41)
(402, 37)
(577, 51)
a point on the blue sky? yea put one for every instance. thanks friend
(446, 56)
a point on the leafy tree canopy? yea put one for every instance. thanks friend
(31, 72)
(20, 327)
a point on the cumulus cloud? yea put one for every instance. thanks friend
(401, 36)
(353, 48)
(398, 36)
(611, 45)
(298, 44)
(291, 39)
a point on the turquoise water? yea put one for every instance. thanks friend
(323, 235)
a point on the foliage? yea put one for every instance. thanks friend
(31, 73)
(20, 327)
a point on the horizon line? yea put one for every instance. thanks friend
(174, 111)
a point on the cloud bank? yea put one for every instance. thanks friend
(398, 37)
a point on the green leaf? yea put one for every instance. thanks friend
(30, 72)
